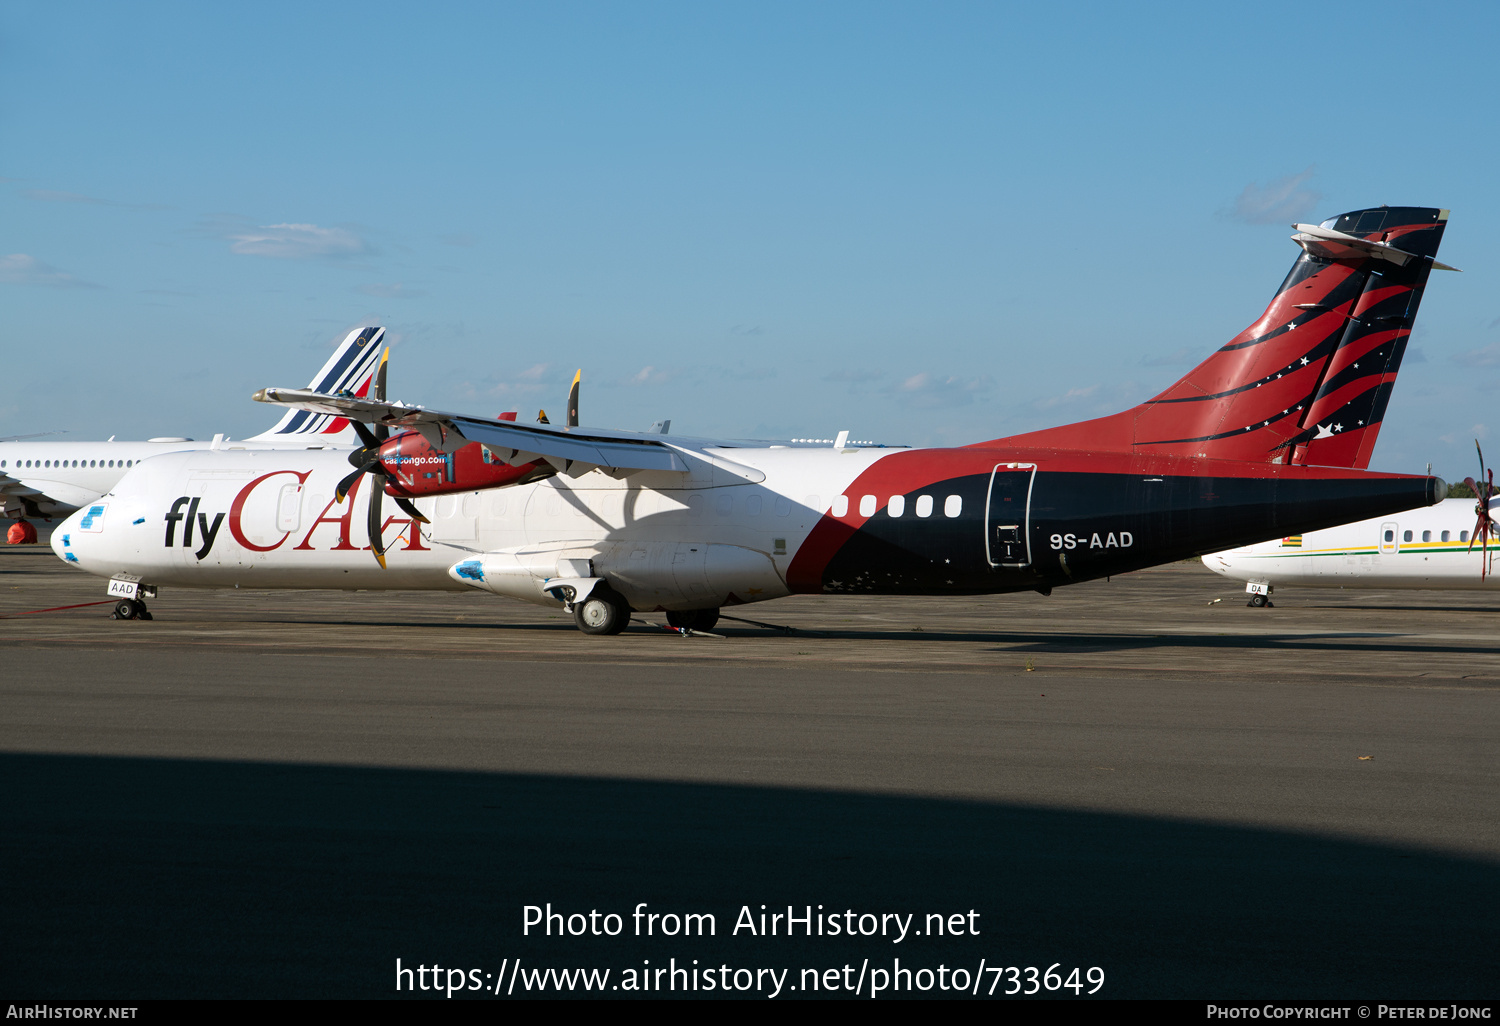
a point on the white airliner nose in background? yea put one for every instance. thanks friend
(41, 480)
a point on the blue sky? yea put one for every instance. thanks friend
(925, 223)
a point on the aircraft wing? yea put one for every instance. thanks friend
(19, 499)
(573, 451)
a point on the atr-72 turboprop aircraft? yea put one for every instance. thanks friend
(1267, 437)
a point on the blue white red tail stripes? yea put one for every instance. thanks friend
(349, 372)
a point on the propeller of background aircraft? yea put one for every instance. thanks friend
(1484, 526)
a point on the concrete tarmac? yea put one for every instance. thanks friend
(280, 794)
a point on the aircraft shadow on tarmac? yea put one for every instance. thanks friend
(1020, 641)
(130, 877)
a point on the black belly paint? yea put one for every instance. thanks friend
(1117, 523)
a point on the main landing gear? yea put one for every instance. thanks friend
(130, 609)
(693, 619)
(604, 611)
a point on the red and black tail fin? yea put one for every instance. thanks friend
(1309, 381)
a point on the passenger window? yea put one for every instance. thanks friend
(783, 506)
(725, 504)
(1427, 536)
(924, 506)
(897, 505)
(752, 506)
(867, 506)
(1443, 536)
(953, 505)
(840, 506)
(1406, 536)
(1390, 536)
(1463, 535)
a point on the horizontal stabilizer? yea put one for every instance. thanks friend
(1332, 245)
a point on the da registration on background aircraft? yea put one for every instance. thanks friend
(1270, 436)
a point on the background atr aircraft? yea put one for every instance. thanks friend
(45, 480)
(1266, 436)
(1433, 548)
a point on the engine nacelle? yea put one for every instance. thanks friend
(414, 468)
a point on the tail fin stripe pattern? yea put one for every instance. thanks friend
(1234, 432)
(353, 364)
(1314, 357)
(1335, 303)
(1309, 381)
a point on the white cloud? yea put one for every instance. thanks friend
(297, 241)
(1072, 395)
(1476, 432)
(1486, 356)
(21, 269)
(1280, 202)
(930, 391)
(648, 376)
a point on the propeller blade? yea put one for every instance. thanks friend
(541, 418)
(377, 392)
(573, 399)
(377, 540)
(368, 440)
(410, 510)
(347, 484)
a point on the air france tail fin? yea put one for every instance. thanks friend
(349, 371)
(1309, 381)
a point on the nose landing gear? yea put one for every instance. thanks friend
(130, 609)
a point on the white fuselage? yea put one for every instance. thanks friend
(59, 477)
(723, 533)
(1421, 548)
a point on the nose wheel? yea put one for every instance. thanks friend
(1260, 601)
(130, 609)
